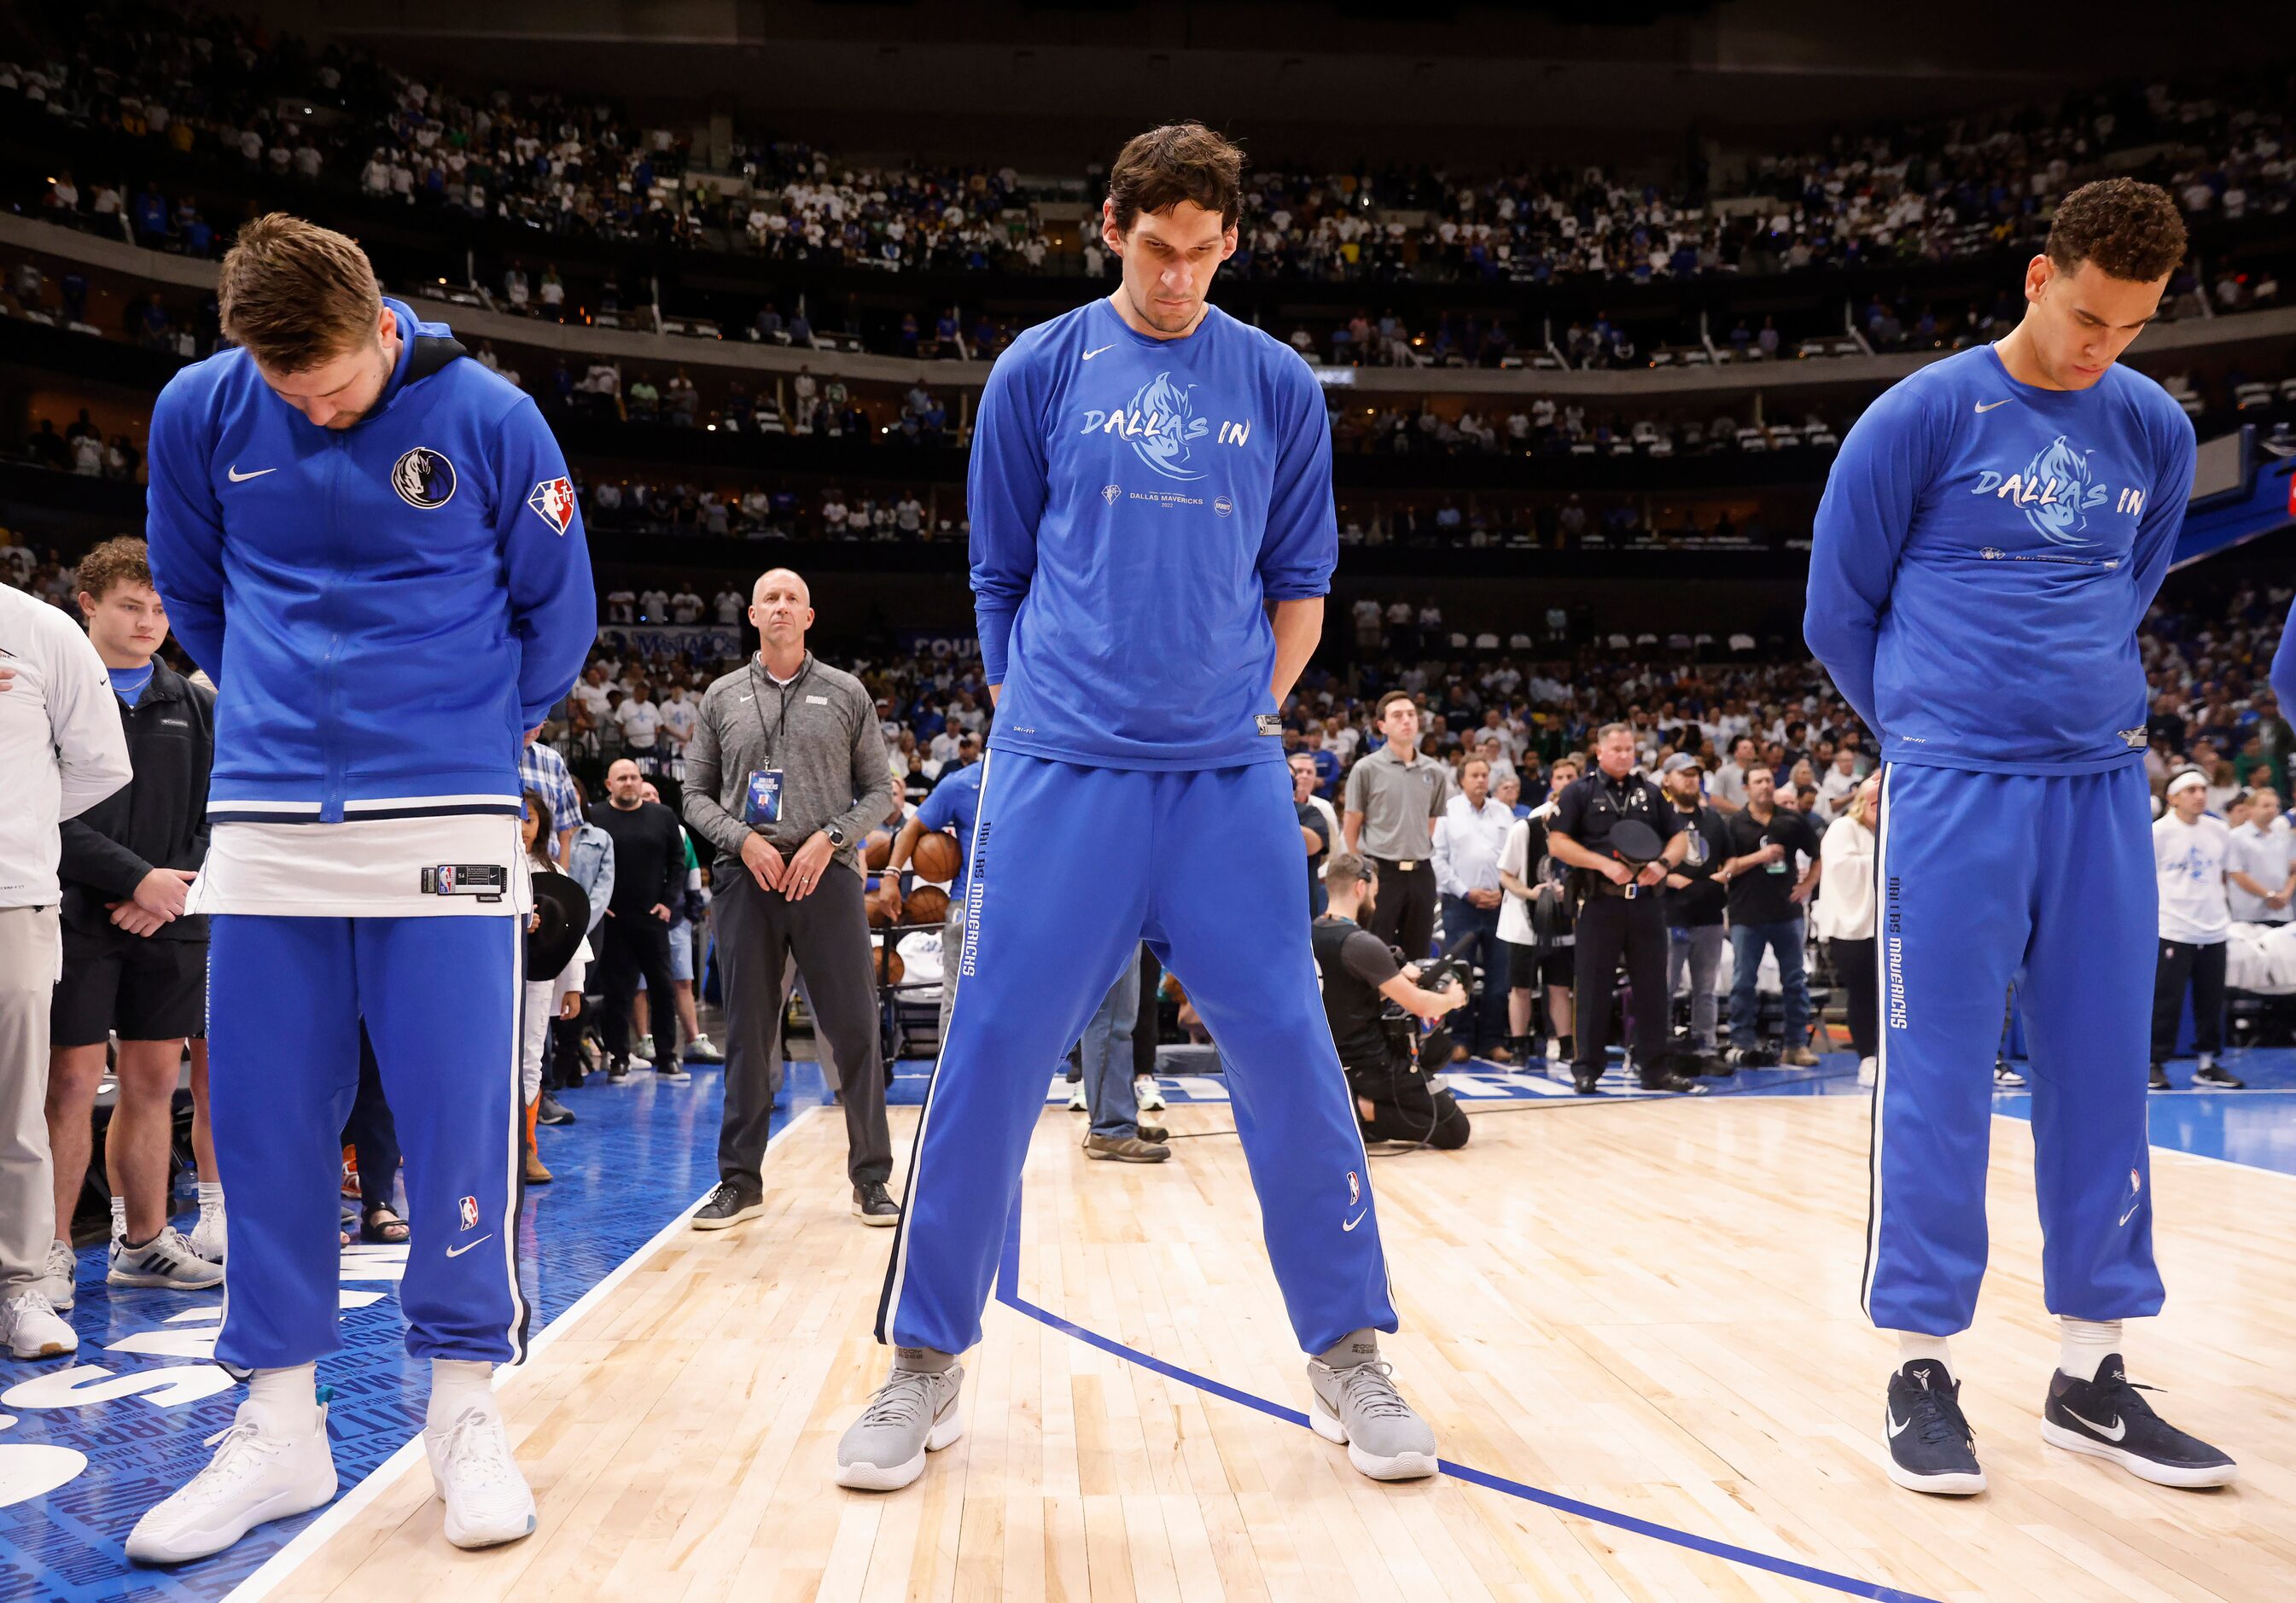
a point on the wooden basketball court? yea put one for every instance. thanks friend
(1647, 1309)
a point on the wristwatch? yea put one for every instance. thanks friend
(836, 835)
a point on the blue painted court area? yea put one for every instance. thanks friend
(87, 1443)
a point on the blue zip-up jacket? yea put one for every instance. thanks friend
(385, 608)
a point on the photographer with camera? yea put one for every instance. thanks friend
(1620, 909)
(1370, 1000)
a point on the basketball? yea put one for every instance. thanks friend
(878, 851)
(925, 905)
(878, 917)
(937, 857)
(891, 968)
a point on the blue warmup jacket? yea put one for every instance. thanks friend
(406, 596)
(1134, 502)
(1979, 569)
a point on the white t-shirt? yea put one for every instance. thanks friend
(730, 604)
(678, 718)
(593, 696)
(61, 744)
(653, 605)
(2264, 856)
(2188, 860)
(641, 722)
(685, 607)
(1514, 912)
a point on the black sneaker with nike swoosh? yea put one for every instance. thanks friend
(1931, 1447)
(2109, 1418)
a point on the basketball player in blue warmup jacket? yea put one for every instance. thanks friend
(1153, 537)
(370, 543)
(1991, 534)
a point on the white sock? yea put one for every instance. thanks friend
(1913, 1346)
(2085, 1344)
(286, 1400)
(210, 1195)
(119, 1219)
(459, 1385)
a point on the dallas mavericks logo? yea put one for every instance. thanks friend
(423, 479)
(2060, 518)
(1162, 441)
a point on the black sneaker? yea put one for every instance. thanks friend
(2160, 1080)
(673, 1071)
(1666, 1080)
(729, 1204)
(2106, 1418)
(1584, 1083)
(874, 1204)
(1931, 1447)
(618, 1069)
(2213, 1073)
(2005, 1078)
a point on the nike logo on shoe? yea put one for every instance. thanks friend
(239, 478)
(1352, 1223)
(2119, 1427)
(1897, 1425)
(456, 1252)
(1090, 354)
(1989, 406)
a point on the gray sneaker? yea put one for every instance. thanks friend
(57, 1276)
(1358, 1404)
(913, 1413)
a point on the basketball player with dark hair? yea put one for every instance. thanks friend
(1152, 539)
(1991, 534)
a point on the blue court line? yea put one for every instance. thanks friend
(1008, 1284)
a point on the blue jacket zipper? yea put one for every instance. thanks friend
(330, 795)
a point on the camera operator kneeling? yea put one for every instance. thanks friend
(1369, 998)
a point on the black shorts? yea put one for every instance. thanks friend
(1523, 965)
(1560, 966)
(144, 988)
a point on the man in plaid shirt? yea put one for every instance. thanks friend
(541, 770)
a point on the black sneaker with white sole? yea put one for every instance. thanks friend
(729, 1204)
(1931, 1447)
(2109, 1418)
(2159, 1079)
(2005, 1078)
(2213, 1073)
(874, 1204)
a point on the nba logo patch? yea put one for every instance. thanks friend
(552, 501)
(467, 1210)
(1354, 1190)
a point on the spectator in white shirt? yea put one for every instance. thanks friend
(653, 605)
(621, 605)
(1840, 784)
(2189, 848)
(2261, 864)
(730, 604)
(1726, 791)
(641, 722)
(1469, 836)
(685, 606)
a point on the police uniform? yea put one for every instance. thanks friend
(1616, 919)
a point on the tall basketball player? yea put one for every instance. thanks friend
(1991, 537)
(1153, 539)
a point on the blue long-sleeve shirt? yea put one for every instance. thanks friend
(385, 608)
(1135, 502)
(1983, 555)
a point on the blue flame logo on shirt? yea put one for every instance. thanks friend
(2063, 513)
(1170, 423)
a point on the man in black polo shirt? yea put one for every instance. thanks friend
(649, 882)
(1766, 900)
(1694, 897)
(1621, 909)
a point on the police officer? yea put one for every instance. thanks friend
(1393, 1100)
(1619, 909)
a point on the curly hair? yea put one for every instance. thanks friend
(2130, 229)
(1179, 161)
(123, 560)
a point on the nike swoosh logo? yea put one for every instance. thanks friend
(2119, 1427)
(2125, 1218)
(456, 1252)
(1989, 406)
(1352, 1223)
(1897, 1425)
(748, 698)
(239, 478)
(1090, 354)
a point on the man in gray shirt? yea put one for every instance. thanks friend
(785, 776)
(1394, 796)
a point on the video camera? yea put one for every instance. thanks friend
(1401, 1026)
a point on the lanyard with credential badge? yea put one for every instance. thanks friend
(774, 740)
(762, 794)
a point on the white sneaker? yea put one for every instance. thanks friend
(256, 1475)
(1868, 1070)
(1151, 1094)
(55, 1282)
(702, 1050)
(207, 1235)
(488, 1502)
(31, 1329)
(643, 1047)
(1077, 1104)
(167, 1260)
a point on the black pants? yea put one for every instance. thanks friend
(1607, 926)
(1403, 1108)
(373, 1134)
(828, 932)
(1404, 915)
(638, 943)
(1855, 965)
(1144, 1028)
(2204, 967)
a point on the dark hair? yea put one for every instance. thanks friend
(297, 295)
(1179, 161)
(2130, 229)
(538, 811)
(1379, 715)
(121, 559)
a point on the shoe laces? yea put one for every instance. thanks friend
(902, 1400)
(1937, 1417)
(241, 1449)
(479, 1452)
(27, 1301)
(2121, 1393)
(1368, 1390)
(726, 1192)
